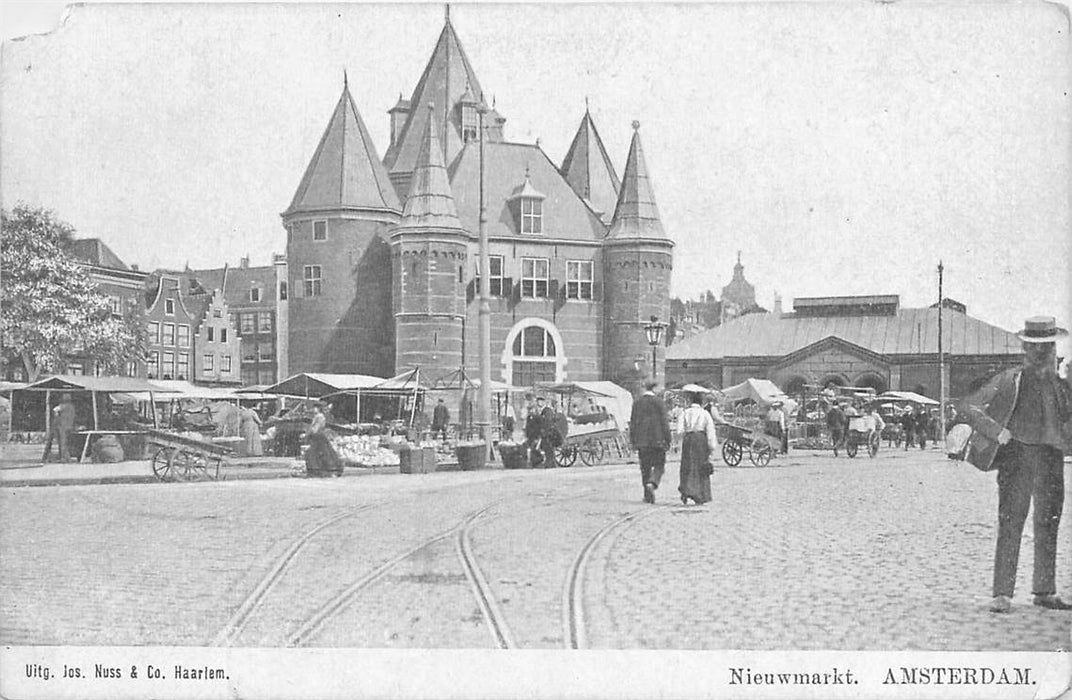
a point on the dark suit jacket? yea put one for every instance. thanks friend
(988, 411)
(649, 425)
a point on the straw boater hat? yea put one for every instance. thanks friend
(1041, 329)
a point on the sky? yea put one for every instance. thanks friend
(842, 148)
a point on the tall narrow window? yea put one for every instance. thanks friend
(168, 336)
(320, 230)
(312, 280)
(210, 334)
(169, 307)
(531, 215)
(153, 365)
(248, 323)
(534, 277)
(264, 322)
(182, 366)
(167, 365)
(470, 124)
(225, 363)
(206, 364)
(283, 290)
(254, 294)
(153, 328)
(496, 277)
(579, 279)
(184, 335)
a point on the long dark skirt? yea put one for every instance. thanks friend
(320, 457)
(695, 480)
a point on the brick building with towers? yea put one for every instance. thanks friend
(382, 255)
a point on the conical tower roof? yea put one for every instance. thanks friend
(636, 216)
(447, 77)
(430, 203)
(588, 170)
(345, 171)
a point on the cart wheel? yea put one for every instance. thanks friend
(732, 452)
(162, 465)
(565, 455)
(873, 445)
(190, 465)
(850, 447)
(761, 454)
(591, 452)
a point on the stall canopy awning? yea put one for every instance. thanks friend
(61, 382)
(762, 391)
(907, 396)
(12, 386)
(316, 384)
(180, 389)
(409, 380)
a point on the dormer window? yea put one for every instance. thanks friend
(527, 204)
(531, 216)
(254, 294)
(470, 124)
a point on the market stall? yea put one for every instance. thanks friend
(99, 416)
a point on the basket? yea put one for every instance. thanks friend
(471, 457)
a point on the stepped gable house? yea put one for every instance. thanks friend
(850, 341)
(382, 255)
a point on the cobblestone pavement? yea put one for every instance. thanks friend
(811, 552)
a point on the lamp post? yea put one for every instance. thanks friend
(654, 331)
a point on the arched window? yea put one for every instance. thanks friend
(534, 342)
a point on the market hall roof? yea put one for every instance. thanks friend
(636, 217)
(902, 332)
(345, 172)
(93, 251)
(589, 171)
(565, 215)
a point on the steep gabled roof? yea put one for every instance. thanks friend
(93, 251)
(588, 170)
(445, 80)
(430, 203)
(565, 215)
(345, 171)
(636, 216)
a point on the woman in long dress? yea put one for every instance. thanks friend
(698, 441)
(250, 428)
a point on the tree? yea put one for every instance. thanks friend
(51, 309)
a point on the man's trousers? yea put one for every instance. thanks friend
(1026, 474)
(652, 464)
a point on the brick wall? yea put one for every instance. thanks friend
(637, 287)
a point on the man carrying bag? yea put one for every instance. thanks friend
(1021, 420)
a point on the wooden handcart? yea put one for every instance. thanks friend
(178, 457)
(592, 447)
(738, 441)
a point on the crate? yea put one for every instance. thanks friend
(471, 457)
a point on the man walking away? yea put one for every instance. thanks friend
(649, 433)
(1022, 419)
(907, 426)
(63, 419)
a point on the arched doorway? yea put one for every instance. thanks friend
(795, 385)
(872, 380)
(835, 379)
(533, 353)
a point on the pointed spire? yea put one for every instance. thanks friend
(430, 203)
(636, 216)
(588, 170)
(447, 77)
(346, 81)
(345, 171)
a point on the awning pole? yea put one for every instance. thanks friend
(93, 398)
(152, 409)
(48, 411)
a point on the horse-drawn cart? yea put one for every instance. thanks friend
(182, 456)
(738, 441)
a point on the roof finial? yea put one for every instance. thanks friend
(738, 257)
(636, 125)
(345, 79)
(447, 13)
(586, 104)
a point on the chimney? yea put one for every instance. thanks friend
(777, 305)
(244, 262)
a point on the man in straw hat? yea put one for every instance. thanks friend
(1019, 419)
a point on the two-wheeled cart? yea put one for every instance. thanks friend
(738, 441)
(861, 432)
(179, 457)
(591, 446)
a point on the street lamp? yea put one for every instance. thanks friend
(654, 331)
